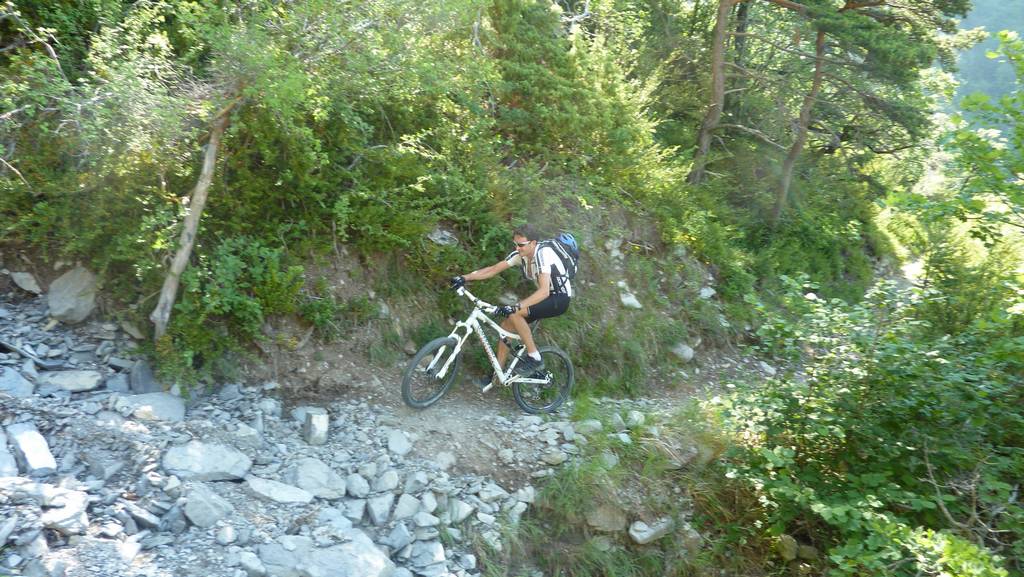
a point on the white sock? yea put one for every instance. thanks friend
(535, 356)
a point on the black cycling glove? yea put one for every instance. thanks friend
(506, 310)
(457, 282)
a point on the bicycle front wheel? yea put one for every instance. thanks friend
(558, 376)
(422, 385)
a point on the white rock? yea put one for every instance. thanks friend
(407, 506)
(424, 519)
(315, 476)
(152, 407)
(766, 368)
(684, 352)
(416, 482)
(642, 533)
(492, 492)
(26, 281)
(72, 297)
(277, 491)
(588, 426)
(630, 301)
(460, 510)
(388, 481)
(74, 381)
(316, 427)
(398, 442)
(399, 538)
(206, 462)
(205, 507)
(251, 564)
(226, 535)
(31, 450)
(380, 508)
(444, 460)
(707, 292)
(357, 486)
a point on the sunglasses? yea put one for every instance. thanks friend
(521, 244)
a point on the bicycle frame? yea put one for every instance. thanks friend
(464, 329)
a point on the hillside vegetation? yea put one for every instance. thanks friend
(785, 153)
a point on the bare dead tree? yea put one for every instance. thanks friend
(161, 315)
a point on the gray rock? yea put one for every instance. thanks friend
(357, 486)
(316, 426)
(73, 381)
(425, 553)
(416, 482)
(277, 491)
(15, 385)
(444, 460)
(388, 481)
(205, 507)
(554, 457)
(380, 508)
(297, 556)
(64, 510)
(492, 492)
(707, 292)
(588, 426)
(642, 533)
(606, 517)
(251, 564)
(634, 419)
(399, 537)
(766, 368)
(355, 509)
(398, 442)
(72, 296)
(424, 519)
(26, 282)
(30, 450)
(315, 476)
(683, 352)
(152, 407)
(118, 383)
(8, 464)
(206, 462)
(407, 506)
(226, 535)
(460, 510)
(142, 380)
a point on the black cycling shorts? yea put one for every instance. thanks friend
(552, 306)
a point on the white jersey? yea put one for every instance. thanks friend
(545, 259)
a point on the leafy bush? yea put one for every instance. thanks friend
(225, 299)
(897, 453)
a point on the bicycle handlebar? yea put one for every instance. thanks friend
(486, 306)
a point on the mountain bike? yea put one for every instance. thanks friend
(432, 371)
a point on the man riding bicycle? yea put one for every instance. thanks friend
(551, 299)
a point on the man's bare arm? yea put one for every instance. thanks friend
(488, 272)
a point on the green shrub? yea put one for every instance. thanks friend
(896, 452)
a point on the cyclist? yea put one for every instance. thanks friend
(554, 291)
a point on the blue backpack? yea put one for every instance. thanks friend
(568, 251)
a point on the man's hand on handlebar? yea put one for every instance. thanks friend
(457, 282)
(506, 310)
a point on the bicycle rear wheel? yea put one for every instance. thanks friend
(421, 385)
(546, 397)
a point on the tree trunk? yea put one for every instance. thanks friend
(161, 315)
(732, 101)
(782, 195)
(717, 100)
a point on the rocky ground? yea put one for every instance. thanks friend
(312, 467)
(102, 473)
